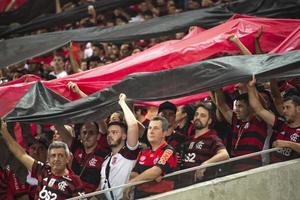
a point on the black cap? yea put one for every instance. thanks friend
(167, 106)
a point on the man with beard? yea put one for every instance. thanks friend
(205, 146)
(287, 132)
(123, 141)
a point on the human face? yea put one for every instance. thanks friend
(58, 63)
(38, 152)
(89, 135)
(242, 110)
(115, 136)
(180, 114)
(201, 119)
(170, 115)
(58, 160)
(155, 134)
(56, 136)
(290, 111)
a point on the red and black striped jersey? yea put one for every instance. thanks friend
(5, 193)
(164, 157)
(15, 186)
(175, 140)
(248, 137)
(55, 187)
(284, 132)
(88, 166)
(198, 150)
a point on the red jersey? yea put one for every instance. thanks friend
(164, 157)
(284, 132)
(198, 150)
(55, 187)
(248, 137)
(88, 166)
(15, 186)
(5, 193)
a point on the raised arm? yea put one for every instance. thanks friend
(257, 46)
(74, 88)
(58, 6)
(133, 129)
(15, 148)
(64, 133)
(240, 45)
(277, 98)
(74, 64)
(264, 114)
(222, 106)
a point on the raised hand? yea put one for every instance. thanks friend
(252, 82)
(122, 97)
(73, 87)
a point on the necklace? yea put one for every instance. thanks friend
(240, 133)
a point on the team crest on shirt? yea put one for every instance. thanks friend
(199, 145)
(62, 185)
(93, 162)
(142, 158)
(294, 137)
(80, 155)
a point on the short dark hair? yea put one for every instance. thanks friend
(120, 124)
(93, 123)
(242, 97)
(164, 122)
(291, 92)
(94, 59)
(295, 99)
(143, 109)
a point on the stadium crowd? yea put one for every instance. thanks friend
(136, 143)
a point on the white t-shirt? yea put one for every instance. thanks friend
(59, 75)
(121, 165)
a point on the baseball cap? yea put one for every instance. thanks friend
(167, 106)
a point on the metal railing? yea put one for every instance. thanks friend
(179, 172)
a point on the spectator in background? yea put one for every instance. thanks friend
(173, 137)
(59, 67)
(93, 62)
(99, 51)
(287, 133)
(249, 132)
(88, 155)
(125, 50)
(184, 116)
